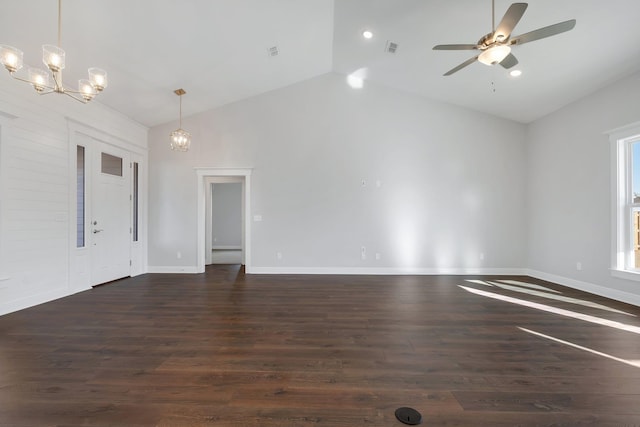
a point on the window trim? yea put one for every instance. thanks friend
(622, 204)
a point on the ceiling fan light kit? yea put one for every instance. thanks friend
(494, 55)
(495, 47)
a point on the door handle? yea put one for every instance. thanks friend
(97, 231)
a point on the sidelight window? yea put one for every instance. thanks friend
(80, 196)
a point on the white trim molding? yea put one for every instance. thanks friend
(622, 203)
(183, 269)
(33, 300)
(202, 173)
(390, 271)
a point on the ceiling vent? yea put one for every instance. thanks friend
(391, 47)
(272, 51)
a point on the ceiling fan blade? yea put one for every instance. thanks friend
(455, 47)
(509, 21)
(544, 32)
(461, 66)
(509, 61)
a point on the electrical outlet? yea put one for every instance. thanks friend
(363, 253)
(578, 266)
(279, 255)
(378, 256)
(179, 255)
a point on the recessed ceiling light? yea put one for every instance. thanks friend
(515, 73)
(367, 34)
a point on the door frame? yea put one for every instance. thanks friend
(80, 258)
(202, 182)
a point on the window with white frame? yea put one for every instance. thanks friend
(626, 203)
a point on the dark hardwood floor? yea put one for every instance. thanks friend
(227, 349)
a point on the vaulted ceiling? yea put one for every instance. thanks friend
(219, 51)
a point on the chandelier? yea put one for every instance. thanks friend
(51, 82)
(180, 138)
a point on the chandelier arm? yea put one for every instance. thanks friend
(70, 94)
(72, 91)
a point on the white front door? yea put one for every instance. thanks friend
(109, 226)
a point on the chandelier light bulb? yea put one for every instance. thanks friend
(86, 89)
(39, 79)
(53, 57)
(11, 58)
(98, 78)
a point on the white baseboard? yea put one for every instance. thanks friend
(592, 288)
(33, 300)
(183, 269)
(387, 271)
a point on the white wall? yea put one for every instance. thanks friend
(569, 200)
(36, 182)
(451, 182)
(226, 222)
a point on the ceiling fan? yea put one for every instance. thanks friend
(495, 47)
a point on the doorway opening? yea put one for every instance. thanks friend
(225, 249)
(223, 223)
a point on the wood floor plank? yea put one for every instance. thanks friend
(227, 349)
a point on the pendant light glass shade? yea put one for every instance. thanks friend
(180, 140)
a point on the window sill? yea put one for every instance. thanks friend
(626, 274)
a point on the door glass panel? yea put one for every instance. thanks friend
(111, 165)
(135, 201)
(80, 196)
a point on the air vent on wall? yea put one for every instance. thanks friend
(272, 51)
(391, 47)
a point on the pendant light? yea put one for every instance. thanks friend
(180, 138)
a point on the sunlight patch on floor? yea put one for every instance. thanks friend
(559, 311)
(528, 285)
(570, 300)
(635, 363)
(478, 282)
